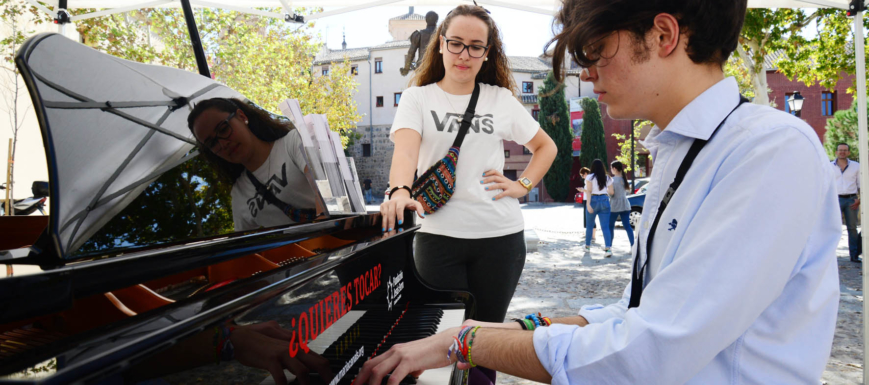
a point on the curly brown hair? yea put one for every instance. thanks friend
(495, 71)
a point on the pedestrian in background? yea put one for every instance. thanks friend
(366, 189)
(619, 205)
(583, 173)
(848, 187)
(599, 186)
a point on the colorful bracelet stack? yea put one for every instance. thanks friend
(531, 321)
(224, 350)
(462, 344)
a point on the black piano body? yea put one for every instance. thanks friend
(338, 289)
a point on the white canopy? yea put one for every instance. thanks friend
(547, 7)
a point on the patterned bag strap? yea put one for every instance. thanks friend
(468, 118)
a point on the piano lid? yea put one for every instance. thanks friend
(123, 164)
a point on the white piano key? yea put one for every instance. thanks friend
(441, 376)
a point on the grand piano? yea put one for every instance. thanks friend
(139, 267)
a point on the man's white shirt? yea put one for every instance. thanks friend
(743, 284)
(848, 180)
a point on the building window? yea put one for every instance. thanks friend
(378, 65)
(379, 101)
(397, 98)
(325, 71)
(525, 151)
(535, 113)
(828, 103)
(527, 87)
(366, 149)
(788, 106)
(354, 69)
(506, 153)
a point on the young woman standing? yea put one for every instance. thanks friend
(476, 241)
(619, 205)
(599, 186)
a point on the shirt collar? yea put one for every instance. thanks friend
(701, 117)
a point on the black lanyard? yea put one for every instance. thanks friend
(638, 274)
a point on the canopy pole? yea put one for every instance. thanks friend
(194, 39)
(862, 136)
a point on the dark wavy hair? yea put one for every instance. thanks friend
(621, 169)
(495, 71)
(264, 125)
(711, 26)
(599, 173)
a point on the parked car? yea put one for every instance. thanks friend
(636, 201)
(640, 182)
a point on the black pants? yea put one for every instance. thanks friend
(489, 268)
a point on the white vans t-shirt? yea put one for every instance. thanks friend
(470, 213)
(283, 173)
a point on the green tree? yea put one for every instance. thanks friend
(624, 142)
(842, 128)
(593, 139)
(822, 58)
(554, 118)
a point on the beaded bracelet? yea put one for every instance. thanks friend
(461, 345)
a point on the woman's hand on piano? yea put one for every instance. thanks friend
(392, 210)
(411, 358)
(497, 325)
(264, 346)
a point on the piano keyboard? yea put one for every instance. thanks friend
(343, 339)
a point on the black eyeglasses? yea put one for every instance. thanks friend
(222, 131)
(474, 50)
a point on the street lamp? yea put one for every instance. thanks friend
(795, 103)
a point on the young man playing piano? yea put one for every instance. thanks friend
(733, 281)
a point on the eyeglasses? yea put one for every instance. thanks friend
(597, 50)
(474, 51)
(222, 131)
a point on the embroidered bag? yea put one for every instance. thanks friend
(435, 186)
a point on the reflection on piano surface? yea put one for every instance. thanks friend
(136, 296)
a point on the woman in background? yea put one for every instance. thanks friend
(619, 205)
(599, 186)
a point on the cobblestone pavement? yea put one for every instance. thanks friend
(559, 278)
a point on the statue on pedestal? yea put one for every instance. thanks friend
(418, 41)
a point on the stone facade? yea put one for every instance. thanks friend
(376, 165)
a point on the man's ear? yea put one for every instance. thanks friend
(666, 33)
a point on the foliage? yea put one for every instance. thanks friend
(842, 128)
(624, 142)
(593, 140)
(736, 68)
(822, 58)
(554, 118)
(183, 203)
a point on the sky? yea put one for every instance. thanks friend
(526, 35)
